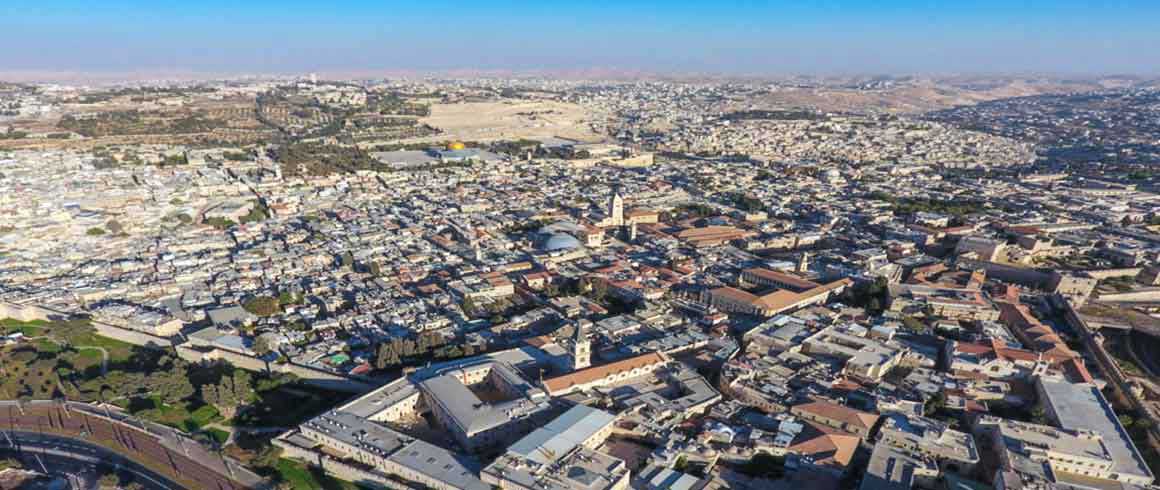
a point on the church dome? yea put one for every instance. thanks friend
(560, 241)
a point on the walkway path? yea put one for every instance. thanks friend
(104, 356)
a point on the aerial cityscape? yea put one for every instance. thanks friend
(612, 267)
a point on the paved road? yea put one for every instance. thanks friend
(69, 458)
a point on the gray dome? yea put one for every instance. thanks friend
(560, 241)
(560, 227)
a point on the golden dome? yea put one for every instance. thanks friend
(456, 145)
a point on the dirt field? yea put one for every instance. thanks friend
(487, 121)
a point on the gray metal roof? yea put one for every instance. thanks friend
(561, 435)
(1081, 406)
(439, 464)
(471, 414)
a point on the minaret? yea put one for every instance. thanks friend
(616, 208)
(581, 347)
(632, 232)
(804, 263)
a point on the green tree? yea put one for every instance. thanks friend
(230, 394)
(597, 289)
(288, 298)
(267, 457)
(274, 381)
(388, 356)
(913, 324)
(470, 307)
(72, 331)
(109, 481)
(409, 348)
(171, 385)
(1039, 416)
(262, 345)
(220, 223)
(95, 231)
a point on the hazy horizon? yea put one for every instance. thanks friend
(1063, 38)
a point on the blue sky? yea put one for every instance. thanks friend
(674, 36)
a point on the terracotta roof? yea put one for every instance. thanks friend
(976, 349)
(1060, 352)
(974, 406)
(782, 277)
(539, 341)
(778, 299)
(841, 413)
(1025, 229)
(959, 374)
(1011, 293)
(1040, 330)
(1017, 354)
(734, 294)
(584, 376)
(711, 234)
(845, 385)
(825, 446)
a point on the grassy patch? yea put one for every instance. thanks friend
(45, 346)
(218, 435)
(67, 332)
(32, 328)
(188, 416)
(204, 415)
(302, 477)
(93, 355)
(118, 351)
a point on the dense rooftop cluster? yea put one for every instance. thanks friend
(703, 298)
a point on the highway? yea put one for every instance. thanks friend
(79, 462)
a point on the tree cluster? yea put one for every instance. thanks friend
(230, 394)
(314, 158)
(746, 202)
(168, 380)
(428, 346)
(868, 295)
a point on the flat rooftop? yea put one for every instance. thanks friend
(1081, 406)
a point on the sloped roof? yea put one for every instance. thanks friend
(825, 446)
(591, 374)
(841, 413)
